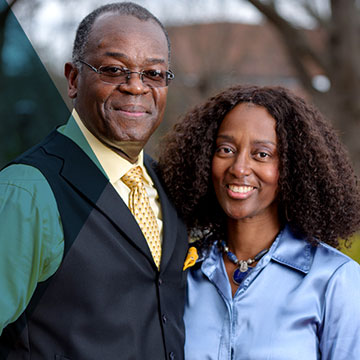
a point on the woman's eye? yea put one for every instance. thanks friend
(263, 154)
(224, 150)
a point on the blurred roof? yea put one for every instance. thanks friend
(251, 53)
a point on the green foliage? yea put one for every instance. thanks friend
(354, 250)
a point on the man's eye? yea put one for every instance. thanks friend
(112, 70)
(154, 74)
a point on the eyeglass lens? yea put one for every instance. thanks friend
(118, 76)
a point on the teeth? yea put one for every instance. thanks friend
(240, 189)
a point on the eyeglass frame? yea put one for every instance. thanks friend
(169, 75)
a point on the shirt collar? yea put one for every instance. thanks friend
(113, 164)
(293, 251)
(288, 249)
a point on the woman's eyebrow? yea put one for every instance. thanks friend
(256, 142)
(259, 142)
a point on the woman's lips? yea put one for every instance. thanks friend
(240, 191)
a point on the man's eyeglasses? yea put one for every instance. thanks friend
(117, 75)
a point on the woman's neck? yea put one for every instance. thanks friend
(246, 238)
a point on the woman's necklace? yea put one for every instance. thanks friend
(242, 266)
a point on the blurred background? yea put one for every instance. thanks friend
(310, 46)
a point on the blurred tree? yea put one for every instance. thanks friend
(30, 104)
(338, 60)
(4, 12)
(354, 250)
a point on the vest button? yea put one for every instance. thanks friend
(164, 318)
(160, 281)
(171, 356)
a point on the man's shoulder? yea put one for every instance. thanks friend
(22, 171)
(21, 175)
(50, 153)
(24, 181)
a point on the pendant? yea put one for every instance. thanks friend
(238, 275)
(243, 266)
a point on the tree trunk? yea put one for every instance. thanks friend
(338, 60)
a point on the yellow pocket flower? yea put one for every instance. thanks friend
(191, 258)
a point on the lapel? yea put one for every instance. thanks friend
(169, 215)
(81, 172)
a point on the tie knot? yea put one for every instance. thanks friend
(133, 177)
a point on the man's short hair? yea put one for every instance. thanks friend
(120, 8)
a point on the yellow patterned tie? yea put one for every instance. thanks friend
(139, 205)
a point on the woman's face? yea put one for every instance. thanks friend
(245, 166)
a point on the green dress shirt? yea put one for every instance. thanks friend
(31, 235)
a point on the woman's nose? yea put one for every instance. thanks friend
(241, 165)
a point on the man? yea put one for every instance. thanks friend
(81, 277)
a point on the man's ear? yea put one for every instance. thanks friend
(71, 73)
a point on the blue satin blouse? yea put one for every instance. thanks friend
(299, 302)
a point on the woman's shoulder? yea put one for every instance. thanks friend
(294, 250)
(333, 259)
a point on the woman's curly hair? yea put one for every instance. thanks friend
(318, 191)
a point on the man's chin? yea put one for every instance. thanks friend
(128, 149)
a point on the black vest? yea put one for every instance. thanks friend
(107, 300)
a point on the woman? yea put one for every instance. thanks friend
(267, 189)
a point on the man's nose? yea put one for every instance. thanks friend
(134, 84)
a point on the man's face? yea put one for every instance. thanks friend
(127, 114)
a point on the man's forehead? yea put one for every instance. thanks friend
(112, 22)
(113, 25)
